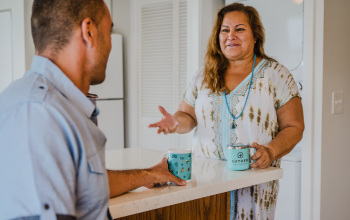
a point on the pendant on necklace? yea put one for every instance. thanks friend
(233, 125)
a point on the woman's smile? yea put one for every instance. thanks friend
(233, 45)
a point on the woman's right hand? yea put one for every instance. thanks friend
(168, 124)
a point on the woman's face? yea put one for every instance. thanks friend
(236, 37)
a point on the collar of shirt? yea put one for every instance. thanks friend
(51, 72)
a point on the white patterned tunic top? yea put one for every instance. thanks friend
(272, 86)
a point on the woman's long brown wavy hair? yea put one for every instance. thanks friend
(215, 61)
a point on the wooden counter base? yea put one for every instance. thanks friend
(211, 207)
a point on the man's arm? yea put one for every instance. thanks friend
(125, 180)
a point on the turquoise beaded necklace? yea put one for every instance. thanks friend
(250, 85)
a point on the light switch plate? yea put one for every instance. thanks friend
(337, 102)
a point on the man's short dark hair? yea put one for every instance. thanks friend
(53, 21)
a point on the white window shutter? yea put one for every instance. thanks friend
(156, 58)
(162, 66)
(182, 49)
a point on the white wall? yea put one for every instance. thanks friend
(335, 174)
(207, 7)
(312, 104)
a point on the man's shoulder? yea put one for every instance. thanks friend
(31, 88)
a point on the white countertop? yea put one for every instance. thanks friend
(209, 177)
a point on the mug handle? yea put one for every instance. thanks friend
(250, 155)
(165, 155)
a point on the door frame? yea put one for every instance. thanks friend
(16, 7)
(312, 104)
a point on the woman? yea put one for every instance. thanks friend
(227, 103)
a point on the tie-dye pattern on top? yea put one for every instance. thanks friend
(272, 86)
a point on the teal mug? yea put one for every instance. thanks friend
(239, 156)
(180, 163)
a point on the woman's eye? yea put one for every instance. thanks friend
(225, 30)
(239, 29)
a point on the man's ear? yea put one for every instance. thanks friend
(88, 31)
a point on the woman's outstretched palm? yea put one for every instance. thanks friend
(168, 124)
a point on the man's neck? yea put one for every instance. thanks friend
(71, 63)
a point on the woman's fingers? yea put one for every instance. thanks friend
(168, 124)
(160, 123)
(164, 130)
(155, 125)
(164, 127)
(264, 163)
(257, 163)
(257, 155)
(163, 111)
(161, 127)
(261, 156)
(256, 146)
(160, 130)
(260, 163)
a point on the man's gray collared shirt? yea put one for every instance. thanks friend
(51, 153)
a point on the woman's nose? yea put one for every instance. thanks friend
(232, 35)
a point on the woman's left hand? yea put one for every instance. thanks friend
(263, 156)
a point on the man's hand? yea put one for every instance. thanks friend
(122, 181)
(161, 175)
(263, 156)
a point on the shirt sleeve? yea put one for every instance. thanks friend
(38, 162)
(193, 88)
(285, 88)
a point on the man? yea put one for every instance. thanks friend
(51, 153)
